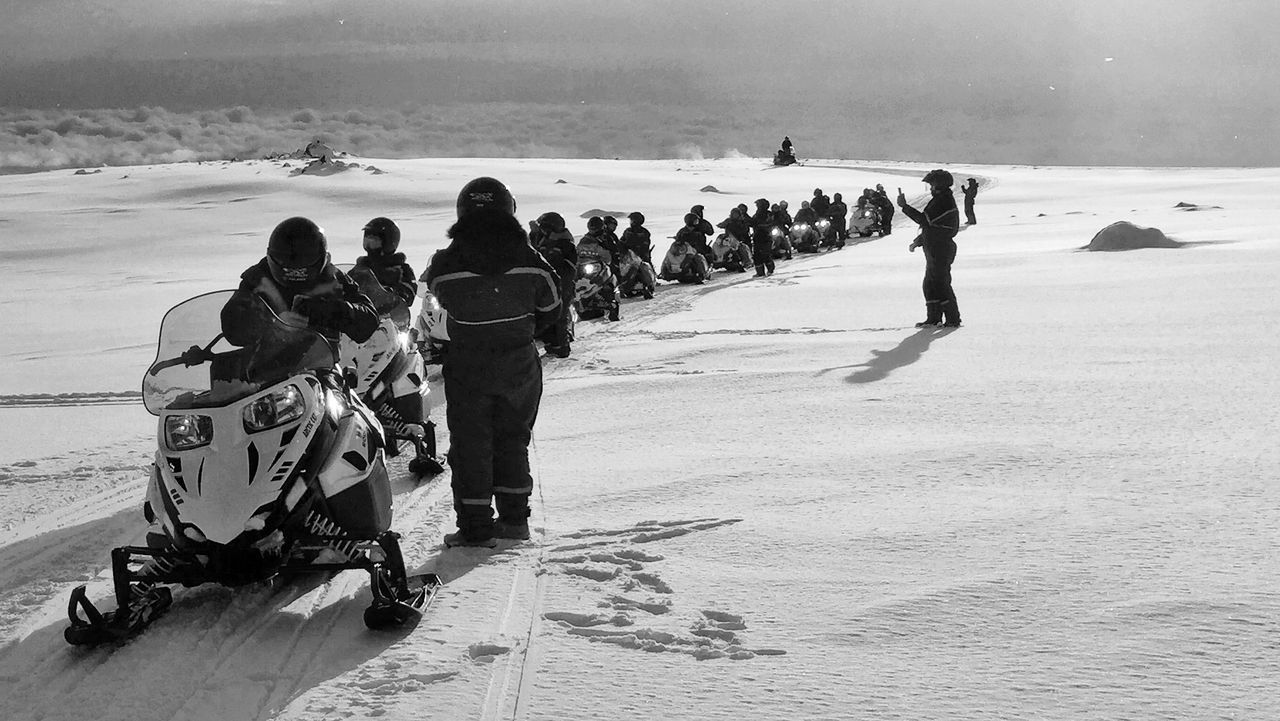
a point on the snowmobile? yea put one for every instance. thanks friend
(267, 466)
(867, 220)
(595, 292)
(692, 268)
(805, 238)
(391, 377)
(782, 157)
(729, 253)
(638, 277)
(827, 232)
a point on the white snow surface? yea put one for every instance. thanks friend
(758, 498)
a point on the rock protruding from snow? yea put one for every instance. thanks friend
(1127, 236)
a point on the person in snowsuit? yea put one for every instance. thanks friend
(786, 145)
(704, 227)
(595, 245)
(838, 213)
(556, 244)
(301, 287)
(683, 262)
(381, 245)
(762, 239)
(637, 237)
(820, 203)
(881, 200)
(970, 190)
(783, 216)
(939, 222)
(499, 294)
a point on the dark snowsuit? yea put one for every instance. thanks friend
(561, 253)
(499, 295)
(334, 305)
(838, 213)
(939, 223)
(393, 273)
(637, 238)
(762, 242)
(970, 191)
(881, 201)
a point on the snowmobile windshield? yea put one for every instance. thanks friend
(195, 366)
(387, 303)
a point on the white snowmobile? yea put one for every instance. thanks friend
(267, 466)
(391, 377)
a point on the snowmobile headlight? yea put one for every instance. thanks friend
(406, 343)
(275, 409)
(589, 268)
(182, 433)
(776, 232)
(432, 303)
(824, 223)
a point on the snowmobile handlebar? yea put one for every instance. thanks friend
(193, 356)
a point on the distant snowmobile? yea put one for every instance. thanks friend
(784, 158)
(390, 375)
(267, 466)
(867, 220)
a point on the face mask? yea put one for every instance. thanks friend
(372, 243)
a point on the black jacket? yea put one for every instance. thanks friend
(393, 273)
(334, 305)
(498, 291)
(939, 221)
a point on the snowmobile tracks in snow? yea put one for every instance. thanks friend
(642, 610)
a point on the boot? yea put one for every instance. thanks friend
(951, 313)
(933, 313)
(458, 539)
(515, 531)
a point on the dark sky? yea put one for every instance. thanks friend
(1171, 71)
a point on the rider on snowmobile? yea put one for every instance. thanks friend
(381, 242)
(299, 284)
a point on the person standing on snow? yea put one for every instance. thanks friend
(939, 222)
(762, 226)
(970, 190)
(554, 241)
(881, 200)
(499, 295)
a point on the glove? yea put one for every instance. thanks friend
(324, 312)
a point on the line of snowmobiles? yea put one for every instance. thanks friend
(270, 462)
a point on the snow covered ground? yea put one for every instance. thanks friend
(758, 498)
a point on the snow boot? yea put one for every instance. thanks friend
(933, 313)
(515, 531)
(459, 539)
(951, 314)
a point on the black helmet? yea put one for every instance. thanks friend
(939, 177)
(551, 221)
(386, 230)
(297, 252)
(762, 203)
(485, 193)
(610, 221)
(817, 192)
(697, 210)
(595, 223)
(691, 219)
(636, 217)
